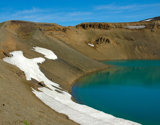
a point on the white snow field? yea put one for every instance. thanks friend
(135, 27)
(60, 100)
(46, 52)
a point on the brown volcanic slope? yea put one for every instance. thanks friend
(76, 58)
(123, 43)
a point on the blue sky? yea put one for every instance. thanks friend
(72, 12)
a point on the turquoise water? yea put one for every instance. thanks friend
(129, 90)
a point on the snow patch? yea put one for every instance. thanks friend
(90, 44)
(61, 101)
(29, 67)
(135, 27)
(46, 52)
(148, 20)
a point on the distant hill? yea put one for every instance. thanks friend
(152, 19)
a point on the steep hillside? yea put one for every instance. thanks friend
(24, 36)
(17, 102)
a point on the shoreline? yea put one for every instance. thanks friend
(85, 74)
(82, 75)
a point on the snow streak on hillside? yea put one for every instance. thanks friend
(135, 27)
(46, 52)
